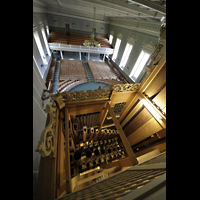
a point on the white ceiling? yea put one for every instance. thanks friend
(144, 15)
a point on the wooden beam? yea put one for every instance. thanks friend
(102, 116)
(128, 106)
(103, 172)
(123, 136)
(67, 153)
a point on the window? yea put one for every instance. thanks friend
(125, 55)
(139, 65)
(111, 39)
(116, 49)
(39, 45)
(45, 40)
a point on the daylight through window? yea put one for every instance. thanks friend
(39, 45)
(125, 55)
(139, 65)
(116, 49)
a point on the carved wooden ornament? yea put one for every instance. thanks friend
(46, 144)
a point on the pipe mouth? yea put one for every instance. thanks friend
(77, 155)
(88, 153)
(88, 165)
(102, 151)
(96, 152)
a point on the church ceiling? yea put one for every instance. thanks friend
(141, 14)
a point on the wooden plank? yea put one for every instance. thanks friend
(120, 98)
(103, 117)
(105, 171)
(138, 121)
(87, 108)
(67, 152)
(160, 99)
(132, 100)
(122, 136)
(158, 82)
(153, 74)
(146, 130)
(134, 110)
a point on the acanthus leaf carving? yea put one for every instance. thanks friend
(47, 139)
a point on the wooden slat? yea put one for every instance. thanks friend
(158, 82)
(160, 98)
(68, 167)
(146, 130)
(122, 136)
(138, 121)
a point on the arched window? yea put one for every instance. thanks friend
(117, 45)
(127, 51)
(147, 50)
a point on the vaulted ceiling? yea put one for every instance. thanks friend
(143, 15)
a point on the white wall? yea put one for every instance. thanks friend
(141, 38)
(77, 24)
(39, 116)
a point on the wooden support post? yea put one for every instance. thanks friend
(67, 152)
(102, 117)
(126, 143)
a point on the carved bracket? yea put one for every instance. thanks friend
(47, 139)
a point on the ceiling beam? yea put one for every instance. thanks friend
(149, 4)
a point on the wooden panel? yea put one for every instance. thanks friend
(87, 108)
(138, 121)
(67, 153)
(158, 83)
(160, 147)
(160, 99)
(146, 130)
(119, 97)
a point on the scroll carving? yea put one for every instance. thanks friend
(126, 87)
(47, 139)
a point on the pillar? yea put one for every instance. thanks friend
(80, 55)
(88, 56)
(104, 57)
(61, 54)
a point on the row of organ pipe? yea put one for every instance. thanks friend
(90, 147)
(89, 155)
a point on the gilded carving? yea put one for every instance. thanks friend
(82, 95)
(126, 87)
(47, 139)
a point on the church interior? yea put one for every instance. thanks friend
(99, 99)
